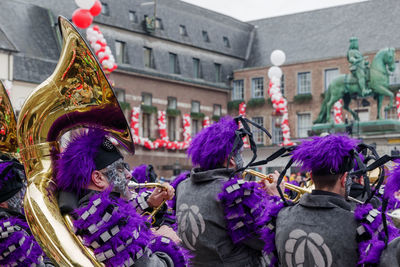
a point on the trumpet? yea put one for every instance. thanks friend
(133, 186)
(299, 190)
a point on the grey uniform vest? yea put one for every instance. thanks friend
(201, 223)
(319, 231)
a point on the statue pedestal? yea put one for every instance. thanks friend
(364, 128)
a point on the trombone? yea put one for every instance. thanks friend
(299, 190)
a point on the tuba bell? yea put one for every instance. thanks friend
(76, 95)
(8, 125)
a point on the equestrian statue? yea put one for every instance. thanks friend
(362, 81)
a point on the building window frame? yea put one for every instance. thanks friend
(238, 89)
(147, 99)
(206, 37)
(196, 68)
(148, 57)
(276, 131)
(159, 24)
(258, 134)
(133, 16)
(328, 78)
(218, 72)
(120, 94)
(195, 107)
(173, 63)
(171, 128)
(304, 82)
(120, 52)
(226, 41)
(257, 87)
(172, 102)
(105, 9)
(217, 110)
(302, 129)
(183, 30)
(283, 84)
(394, 78)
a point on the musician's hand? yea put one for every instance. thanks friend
(167, 232)
(159, 195)
(270, 188)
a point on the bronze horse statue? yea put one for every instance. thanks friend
(345, 86)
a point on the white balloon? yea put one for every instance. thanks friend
(108, 50)
(102, 40)
(101, 54)
(110, 65)
(96, 47)
(274, 72)
(85, 4)
(278, 57)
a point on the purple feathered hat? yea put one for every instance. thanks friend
(326, 155)
(212, 145)
(89, 150)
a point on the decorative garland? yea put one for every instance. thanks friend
(206, 122)
(242, 111)
(337, 109)
(163, 141)
(398, 104)
(100, 47)
(279, 103)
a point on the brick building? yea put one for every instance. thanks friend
(199, 62)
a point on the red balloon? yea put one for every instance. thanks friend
(82, 18)
(96, 28)
(96, 9)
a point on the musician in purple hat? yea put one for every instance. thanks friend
(93, 177)
(322, 229)
(17, 245)
(216, 154)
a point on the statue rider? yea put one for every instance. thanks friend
(358, 65)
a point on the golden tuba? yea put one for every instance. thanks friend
(77, 94)
(8, 125)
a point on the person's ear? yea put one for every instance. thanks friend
(99, 180)
(343, 180)
(232, 163)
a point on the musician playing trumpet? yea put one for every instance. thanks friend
(94, 180)
(321, 229)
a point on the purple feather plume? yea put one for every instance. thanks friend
(179, 255)
(26, 249)
(393, 185)
(212, 145)
(76, 164)
(371, 247)
(326, 152)
(139, 173)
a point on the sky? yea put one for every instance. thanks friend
(247, 10)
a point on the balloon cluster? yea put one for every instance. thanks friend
(163, 141)
(100, 47)
(83, 16)
(206, 122)
(398, 104)
(279, 103)
(337, 109)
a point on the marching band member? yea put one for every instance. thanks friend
(104, 218)
(17, 245)
(202, 225)
(322, 230)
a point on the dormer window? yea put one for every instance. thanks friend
(205, 37)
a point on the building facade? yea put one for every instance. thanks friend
(198, 62)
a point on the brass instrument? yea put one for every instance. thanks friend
(300, 190)
(134, 186)
(77, 94)
(8, 125)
